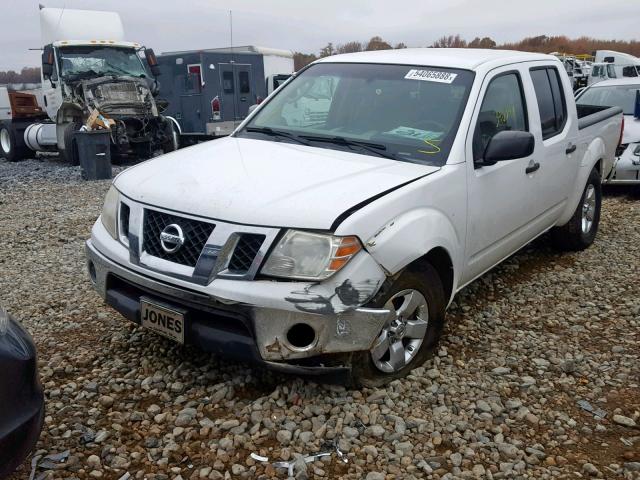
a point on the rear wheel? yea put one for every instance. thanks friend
(410, 335)
(10, 148)
(580, 232)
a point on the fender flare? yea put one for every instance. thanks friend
(412, 235)
(175, 123)
(596, 151)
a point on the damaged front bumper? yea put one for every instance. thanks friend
(254, 320)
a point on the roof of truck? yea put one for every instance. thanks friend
(254, 49)
(617, 82)
(465, 58)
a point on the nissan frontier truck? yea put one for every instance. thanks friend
(333, 238)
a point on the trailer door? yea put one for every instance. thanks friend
(193, 118)
(237, 90)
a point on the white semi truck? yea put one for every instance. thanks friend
(88, 68)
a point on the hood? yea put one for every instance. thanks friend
(631, 132)
(265, 183)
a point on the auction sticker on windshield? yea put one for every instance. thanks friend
(430, 76)
(162, 320)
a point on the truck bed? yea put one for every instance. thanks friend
(591, 114)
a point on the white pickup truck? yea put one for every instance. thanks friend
(332, 239)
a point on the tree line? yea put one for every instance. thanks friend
(540, 43)
(26, 75)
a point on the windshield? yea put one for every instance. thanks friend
(96, 61)
(409, 113)
(623, 96)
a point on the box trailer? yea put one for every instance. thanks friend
(209, 92)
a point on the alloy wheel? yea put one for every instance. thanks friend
(588, 209)
(403, 334)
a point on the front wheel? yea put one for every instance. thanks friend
(410, 335)
(580, 232)
(70, 152)
(173, 138)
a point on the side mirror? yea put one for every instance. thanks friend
(252, 108)
(508, 145)
(47, 62)
(152, 61)
(636, 110)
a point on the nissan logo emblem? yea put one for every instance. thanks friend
(172, 238)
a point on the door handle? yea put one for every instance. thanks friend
(533, 166)
(570, 149)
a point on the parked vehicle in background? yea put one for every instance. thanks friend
(577, 69)
(335, 241)
(17, 111)
(21, 395)
(210, 91)
(610, 65)
(89, 69)
(623, 93)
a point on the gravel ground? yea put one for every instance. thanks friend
(523, 345)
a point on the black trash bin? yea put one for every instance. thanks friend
(94, 151)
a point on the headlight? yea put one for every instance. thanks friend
(310, 256)
(110, 212)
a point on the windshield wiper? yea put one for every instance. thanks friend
(277, 133)
(376, 148)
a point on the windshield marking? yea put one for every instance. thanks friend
(430, 76)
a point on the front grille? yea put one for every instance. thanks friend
(621, 148)
(125, 212)
(118, 92)
(195, 232)
(245, 252)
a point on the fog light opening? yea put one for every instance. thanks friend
(301, 336)
(92, 272)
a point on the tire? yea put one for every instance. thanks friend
(369, 368)
(10, 147)
(70, 152)
(580, 232)
(173, 142)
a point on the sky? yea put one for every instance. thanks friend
(302, 25)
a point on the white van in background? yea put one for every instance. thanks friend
(610, 65)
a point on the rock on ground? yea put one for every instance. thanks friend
(523, 344)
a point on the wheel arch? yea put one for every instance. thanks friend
(440, 260)
(67, 113)
(594, 157)
(418, 236)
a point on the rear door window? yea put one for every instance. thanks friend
(243, 80)
(227, 82)
(503, 108)
(551, 102)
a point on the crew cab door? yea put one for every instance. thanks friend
(501, 198)
(555, 132)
